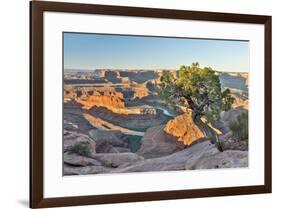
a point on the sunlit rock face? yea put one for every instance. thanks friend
(111, 99)
(115, 122)
(184, 129)
(104, 99)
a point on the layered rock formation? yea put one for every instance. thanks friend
(183, 128)
(157, 143)
(72, 159)
(226, 159)
(138, 122)
(114, 122)
(72, 139)
(110, 100)
(203, 155)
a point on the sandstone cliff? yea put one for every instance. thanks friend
(105, 99)
(183, 128)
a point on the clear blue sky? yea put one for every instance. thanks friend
(95, 51)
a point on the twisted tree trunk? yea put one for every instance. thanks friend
(207, 131)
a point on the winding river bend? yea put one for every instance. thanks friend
(104, 125)
(165, 112)
(107, 125)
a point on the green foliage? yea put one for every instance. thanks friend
(109, 163)
(239, 127)
(227, 100)
(197, 88)
(80, 149)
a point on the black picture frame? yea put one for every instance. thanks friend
(37, 8)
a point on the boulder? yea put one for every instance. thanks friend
(201, 155)
(226, 159)
(175, 161)
(114, 160)
(106, 140)
(157, 143)
(229, 142)
(83, 170)
(78, 160)
(183, 128)
(71, 139)
(111, 136)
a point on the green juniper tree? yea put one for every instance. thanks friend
(198, 89)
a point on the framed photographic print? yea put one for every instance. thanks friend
(139, 104)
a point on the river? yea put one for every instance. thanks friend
(165, 112)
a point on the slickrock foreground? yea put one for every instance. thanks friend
(202, 155)
(157, 143)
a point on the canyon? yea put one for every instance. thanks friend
(115, 122)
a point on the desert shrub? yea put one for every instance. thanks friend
(81, 149)
(239, 127)
(109, 163)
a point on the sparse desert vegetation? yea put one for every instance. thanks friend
(239, 127)
(118, 120)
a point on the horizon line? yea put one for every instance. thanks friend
(148, 69)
